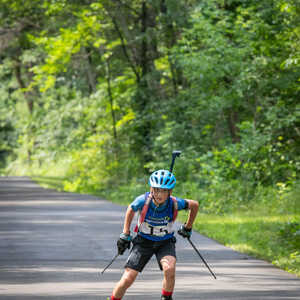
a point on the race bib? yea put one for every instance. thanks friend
(146, 228)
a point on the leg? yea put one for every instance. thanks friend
(125, 282)
(168, 264)
(138, 258)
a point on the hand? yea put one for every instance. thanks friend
(123, 243)
(185, 232)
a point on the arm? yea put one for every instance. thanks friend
(193, 210)
(128, 220)
(124, 241)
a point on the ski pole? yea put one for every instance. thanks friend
(212, 273)
(110, 263)
(174, 155)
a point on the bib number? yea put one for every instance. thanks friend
(146, 228)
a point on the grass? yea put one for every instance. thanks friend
(50, 174)
(50, 182)
(273, 238)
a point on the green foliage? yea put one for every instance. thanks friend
(290, 234)
(125, 194)
(61, 48)
(216, 74)
(292, 36)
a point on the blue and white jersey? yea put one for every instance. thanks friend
(158, 223)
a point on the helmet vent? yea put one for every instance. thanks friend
(162, 179)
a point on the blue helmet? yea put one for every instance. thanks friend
(162, 179)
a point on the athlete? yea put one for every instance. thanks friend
(155, 235)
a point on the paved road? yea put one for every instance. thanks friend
(53, 245)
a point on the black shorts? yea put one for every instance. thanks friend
(143, 249)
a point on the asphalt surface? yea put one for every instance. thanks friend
(53, 245)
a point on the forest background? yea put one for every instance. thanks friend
(95, 95)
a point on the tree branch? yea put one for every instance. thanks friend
(124, 47)
(129, 7)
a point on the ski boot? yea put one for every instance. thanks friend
(166, 297)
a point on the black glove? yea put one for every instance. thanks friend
(184, 232)
(123, 243)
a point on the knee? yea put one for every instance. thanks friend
(169, 270)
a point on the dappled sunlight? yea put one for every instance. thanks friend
(43, 202)
(47, 269)
(245, 248)
(53, 222)
(57, 288)
(242, 218)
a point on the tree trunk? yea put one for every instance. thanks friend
(111, 100)
(171, 40)
(232, 119)
(18, 74)
(144, 47)
(124, 47)
(29, 101)
(89, 72)
(148, 88)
